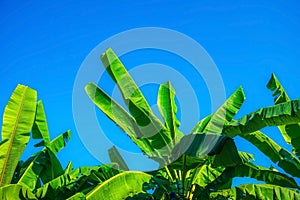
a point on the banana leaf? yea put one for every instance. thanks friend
(115, 157)
(17, 122)
(168, 109)
(214, 123)
(77, 196)
(220, 149)
(132, 95)
(190, 162)
(82, 179)
(40, 131)
(51, 167)
(14, 191)
(121, 186)
(40, 126)
(207, 174)
(280, 114)
(290, 133)
(29, 172)
(58, 143)
(43, 165)
(252, 171)
(287, 161)
(69, 168)
(256, 191)
(149, 124)
(121, 117)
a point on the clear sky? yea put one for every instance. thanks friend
(43, 44)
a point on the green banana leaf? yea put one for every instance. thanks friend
(51, 167)
(133, 97)
(290, 133)
(40, 131)
(64, 183)
(69, 168)
(287, 161)
(256, 191)
(198, 145)
(14, 191)
(115, 157)
(228, 155)
(77, 196)
(80, 180)
(214, 123)
(121, 186)
(252, 171)
(119, 116)
(17, 122)
(29, 172)
(221, 150)
(43, 165)
(168, 109)
(58, 143)
(280, 114)
(83, 180)
(207, 174)
(190, 162)
(279, 94)
(148, 123)
(40, 126)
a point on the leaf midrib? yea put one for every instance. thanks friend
(12, 137)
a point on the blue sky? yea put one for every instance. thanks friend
(43, 45)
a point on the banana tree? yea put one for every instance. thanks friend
(199, 164)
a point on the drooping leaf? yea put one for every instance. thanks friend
(280, 114)
(121, 186)
(17, 122)
(168, 109)
(259, 173)
(215, 122)
(40, 126)
(256, 191)
(116, 157)
(276, 153)
(291, 133)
